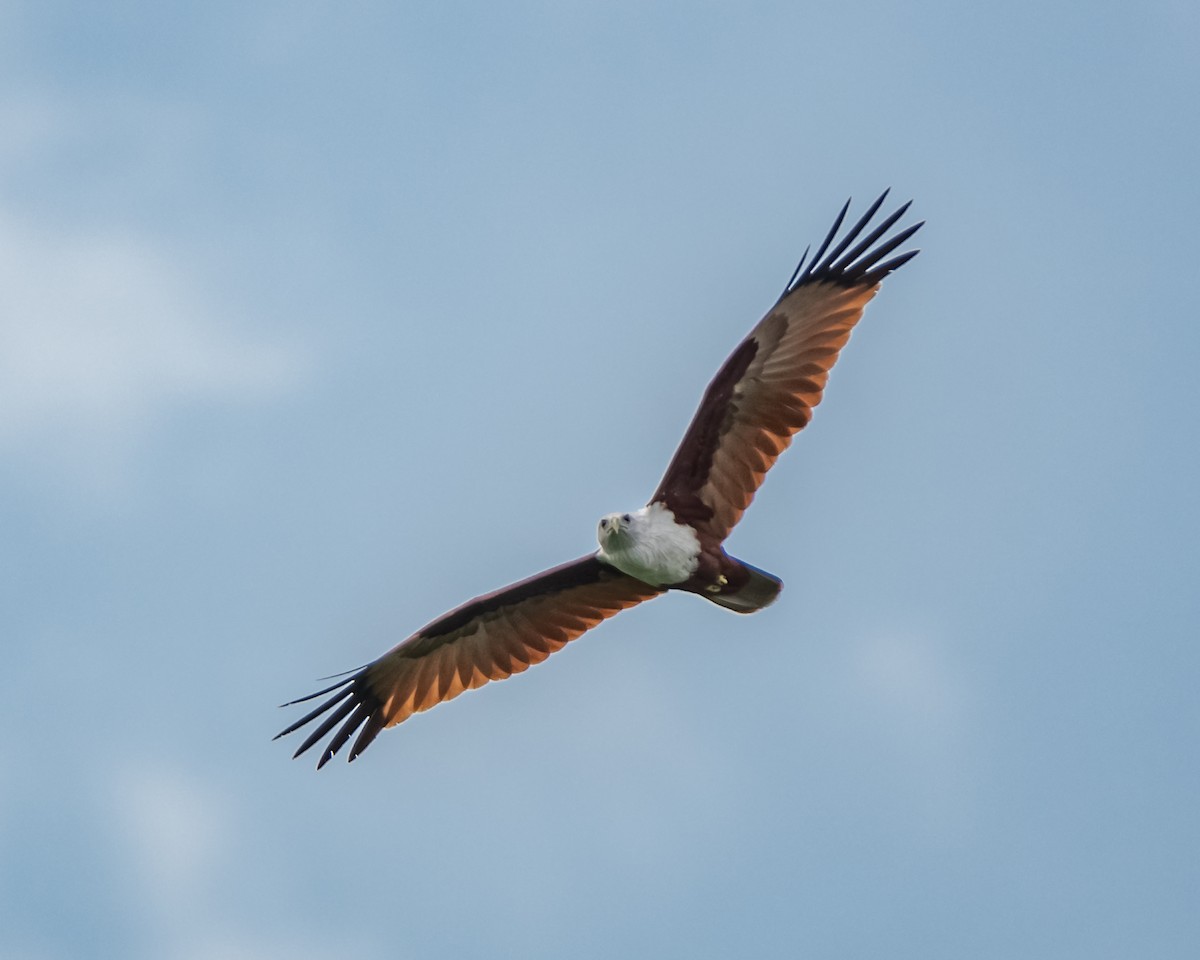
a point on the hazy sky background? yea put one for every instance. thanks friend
(318, 319)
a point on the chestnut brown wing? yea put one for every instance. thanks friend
(490, 638)
(765, 392)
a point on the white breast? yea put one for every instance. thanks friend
(653, 547)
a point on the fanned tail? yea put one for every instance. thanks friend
(759, 591)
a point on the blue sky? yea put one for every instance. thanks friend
(317, 319)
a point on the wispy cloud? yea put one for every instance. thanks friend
(918, 697)
(103, 337)
(911, 681)
(181, 837)
(177, 832)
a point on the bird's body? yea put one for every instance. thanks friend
(650, 545)
(762, 395)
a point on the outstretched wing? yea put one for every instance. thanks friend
(765, 392)
(490, 638)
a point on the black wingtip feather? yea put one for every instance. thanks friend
(309, 717)
(313, 696)
(824, 245)
(866, 264)
(361, 712)
(896, 263)
(353, 704)
(858, 265)
(796, 273)
(328, 724)
(375, 723)
(865, 244)
(855, 230)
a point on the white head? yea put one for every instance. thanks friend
(614, 528)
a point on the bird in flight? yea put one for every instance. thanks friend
(762, 395)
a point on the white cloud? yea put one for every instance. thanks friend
(102, 336)
(921, 707)
(178, 833)
(106, 334)
(182, 839)
(244, 946)
(30, 122)
(910, 681)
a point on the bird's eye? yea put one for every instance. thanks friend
(626, 518)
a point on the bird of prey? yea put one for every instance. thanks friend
(762, 395)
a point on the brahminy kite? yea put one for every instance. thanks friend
(764, 393)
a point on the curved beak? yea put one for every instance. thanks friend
(610, 526)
